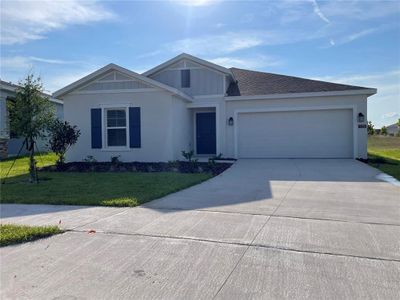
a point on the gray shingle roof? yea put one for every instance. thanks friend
(251, 83)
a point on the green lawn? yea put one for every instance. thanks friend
(107, 189)
(384, 154)
(13, 234)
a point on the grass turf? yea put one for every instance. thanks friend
(106, 189)
(384, 154)
(14, 234)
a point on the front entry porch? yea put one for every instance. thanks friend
(204, 131)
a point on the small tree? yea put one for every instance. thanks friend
(62, 137)
(384, 130)
(30, 115)
(371, 130)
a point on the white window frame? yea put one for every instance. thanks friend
(104, 127)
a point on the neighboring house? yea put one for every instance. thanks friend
(393, 129)
(188, 103)
(10, 144)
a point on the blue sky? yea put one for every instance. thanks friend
(354, 42)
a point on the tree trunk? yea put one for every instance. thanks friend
(32, 162)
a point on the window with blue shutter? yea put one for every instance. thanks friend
(134, 127)
(185, 78)
(95, 114)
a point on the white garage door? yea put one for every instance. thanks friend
(296, 134)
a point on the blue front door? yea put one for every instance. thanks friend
(205, 133)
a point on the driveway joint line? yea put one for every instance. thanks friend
(248, 247)
(333, 220)
(102, 218)
(239, 244)
(272, 215)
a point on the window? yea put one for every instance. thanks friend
(116, 129)
(185, 78)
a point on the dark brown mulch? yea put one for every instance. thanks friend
(176, 166)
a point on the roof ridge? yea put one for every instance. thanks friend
(297, 77)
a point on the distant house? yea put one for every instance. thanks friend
(393, 129)
(188, 103)
(9, 143)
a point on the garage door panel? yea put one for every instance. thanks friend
(296, 134)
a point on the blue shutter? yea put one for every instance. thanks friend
(134, 127)
(95, 114)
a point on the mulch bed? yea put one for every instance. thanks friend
(176, 166)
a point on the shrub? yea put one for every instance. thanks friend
(90, 159)
(173, 164)
(188, 155)
(115, 160)
(62, 137)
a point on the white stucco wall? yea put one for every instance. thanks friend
(359, 102)
(157, 136)
(182, 128)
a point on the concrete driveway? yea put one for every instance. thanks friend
(263, 229)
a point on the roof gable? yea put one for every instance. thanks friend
(116, 77)
(185, 60)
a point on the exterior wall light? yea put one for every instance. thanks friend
(230, 121)
(361, 118)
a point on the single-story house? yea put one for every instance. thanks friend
(393, 129)
(188, 103)
(9, 143)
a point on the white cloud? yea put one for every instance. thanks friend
(195, 2)
(23, 21)
(255, 62)
(55, 73)
(343, 20)
(26, 62)
(391, 115)
(360, 34)
(16, 63)
(60, 80)
(363, 33)
(318, 12)
(217, 44)
(229, 42)
(359, 10)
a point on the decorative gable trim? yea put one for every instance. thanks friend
(187, 59)
(104, 74)
(114, 81)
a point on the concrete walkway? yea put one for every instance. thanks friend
(263, 229)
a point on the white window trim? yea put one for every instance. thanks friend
(104, 108)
